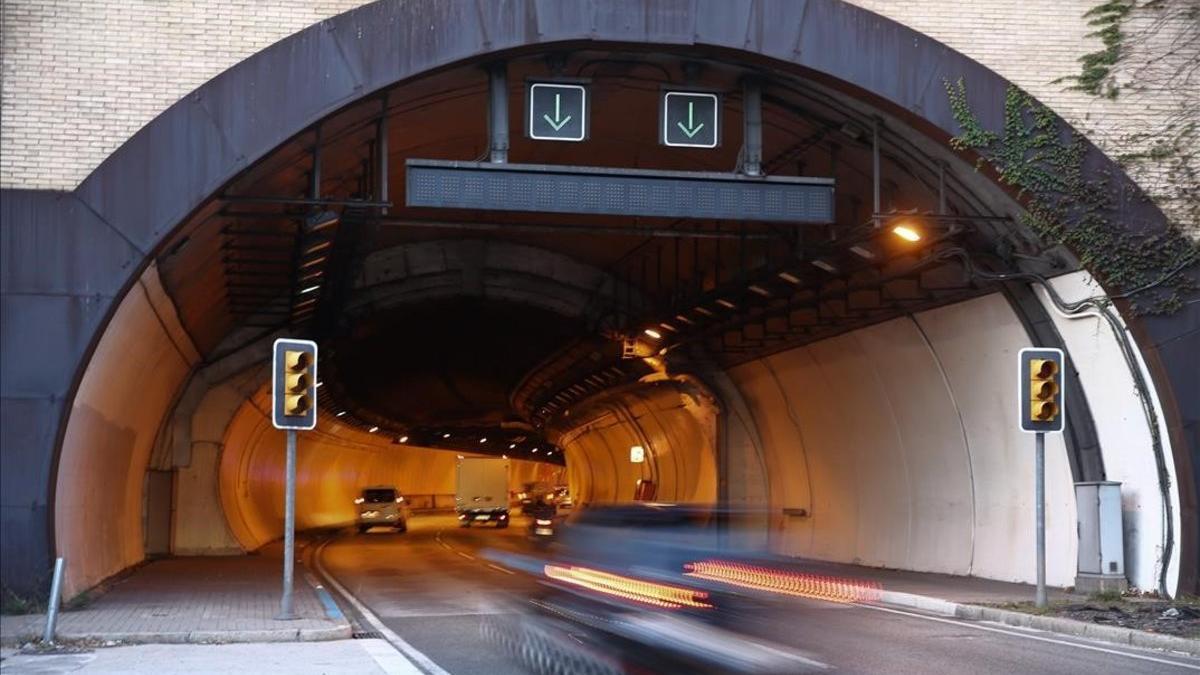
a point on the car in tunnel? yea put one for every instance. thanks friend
(621, 594)
(382, 505)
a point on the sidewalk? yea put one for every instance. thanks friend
(338, 657)
(196, 600)
(971, 598)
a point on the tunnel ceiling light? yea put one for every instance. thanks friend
(754, 288)
(684, 319)
(340, 414)
(460, 456)
(906, 233)
(320, 384)
(705, 312)
(403, 439)
(312, 261)
(667, 326)
(726, 304)
(483, 440)
(535, 450)
(512, 446)
(653, 333)
(503, 456)
(445, 435)
(373, 429)
(321, 220)
(828, 267)
(789, 277)
(862, 252)
(318, 246)
(310, 289)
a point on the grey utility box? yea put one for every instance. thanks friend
(1101, 538)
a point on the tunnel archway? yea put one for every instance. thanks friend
(165, 209)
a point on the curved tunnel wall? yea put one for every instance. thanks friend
(903, 451)
(333, 462)
(126, 393)
(674, 424)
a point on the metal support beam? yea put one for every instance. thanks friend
(381, 149)
(314, 190)
(752, 127)
(875, 178)
(941, 208)
(575, 229)
(498, 113)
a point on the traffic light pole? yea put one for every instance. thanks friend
(1039, 462)
(289, 528)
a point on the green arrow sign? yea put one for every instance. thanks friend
(556, 111)
(692, 128)
(558, 122)
(690, 119)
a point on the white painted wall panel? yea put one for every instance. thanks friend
(905, 435)
(977, 343)
(937, 467)
(1123, 430)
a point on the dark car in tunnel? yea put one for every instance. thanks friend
(620, 595)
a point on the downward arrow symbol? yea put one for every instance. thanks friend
(691, 129)
(559, 121)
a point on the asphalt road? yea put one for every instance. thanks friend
(432, 587)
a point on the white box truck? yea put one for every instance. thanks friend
(482, 494)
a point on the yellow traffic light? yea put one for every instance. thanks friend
(296, 361)
(1043, 390)
(297, 381)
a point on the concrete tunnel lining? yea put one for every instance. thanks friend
(151, 223)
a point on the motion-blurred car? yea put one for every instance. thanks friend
(382, 505)
(638, 589)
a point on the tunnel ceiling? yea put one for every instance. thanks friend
(426, 366)
(256, 260)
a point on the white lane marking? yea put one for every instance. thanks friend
(1027, 636)
(468, 556)
(501, 569)
(414, 655)
(387, 658)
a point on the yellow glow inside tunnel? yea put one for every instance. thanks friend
(333, 463)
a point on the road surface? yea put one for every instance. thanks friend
(432, 587)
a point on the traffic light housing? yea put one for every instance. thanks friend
(1041, 376)
(294, 384)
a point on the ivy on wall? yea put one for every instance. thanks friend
(1069, 205)
(1096, 68)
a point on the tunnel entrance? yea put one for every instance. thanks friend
(838, 375)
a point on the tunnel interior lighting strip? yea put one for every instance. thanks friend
(638, 590)
(802, 584)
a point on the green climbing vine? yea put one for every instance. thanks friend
(1096, 68)
(1066, 203)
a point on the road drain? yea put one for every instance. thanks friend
(367, 635)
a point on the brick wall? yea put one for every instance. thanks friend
(80, 77)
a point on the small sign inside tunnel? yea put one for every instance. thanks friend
(690, 119)
(557, 111)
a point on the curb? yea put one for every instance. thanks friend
(1051, 624)
(192, 637)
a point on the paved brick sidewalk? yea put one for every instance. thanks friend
(199, 599)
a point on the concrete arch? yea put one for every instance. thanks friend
(122, 214)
